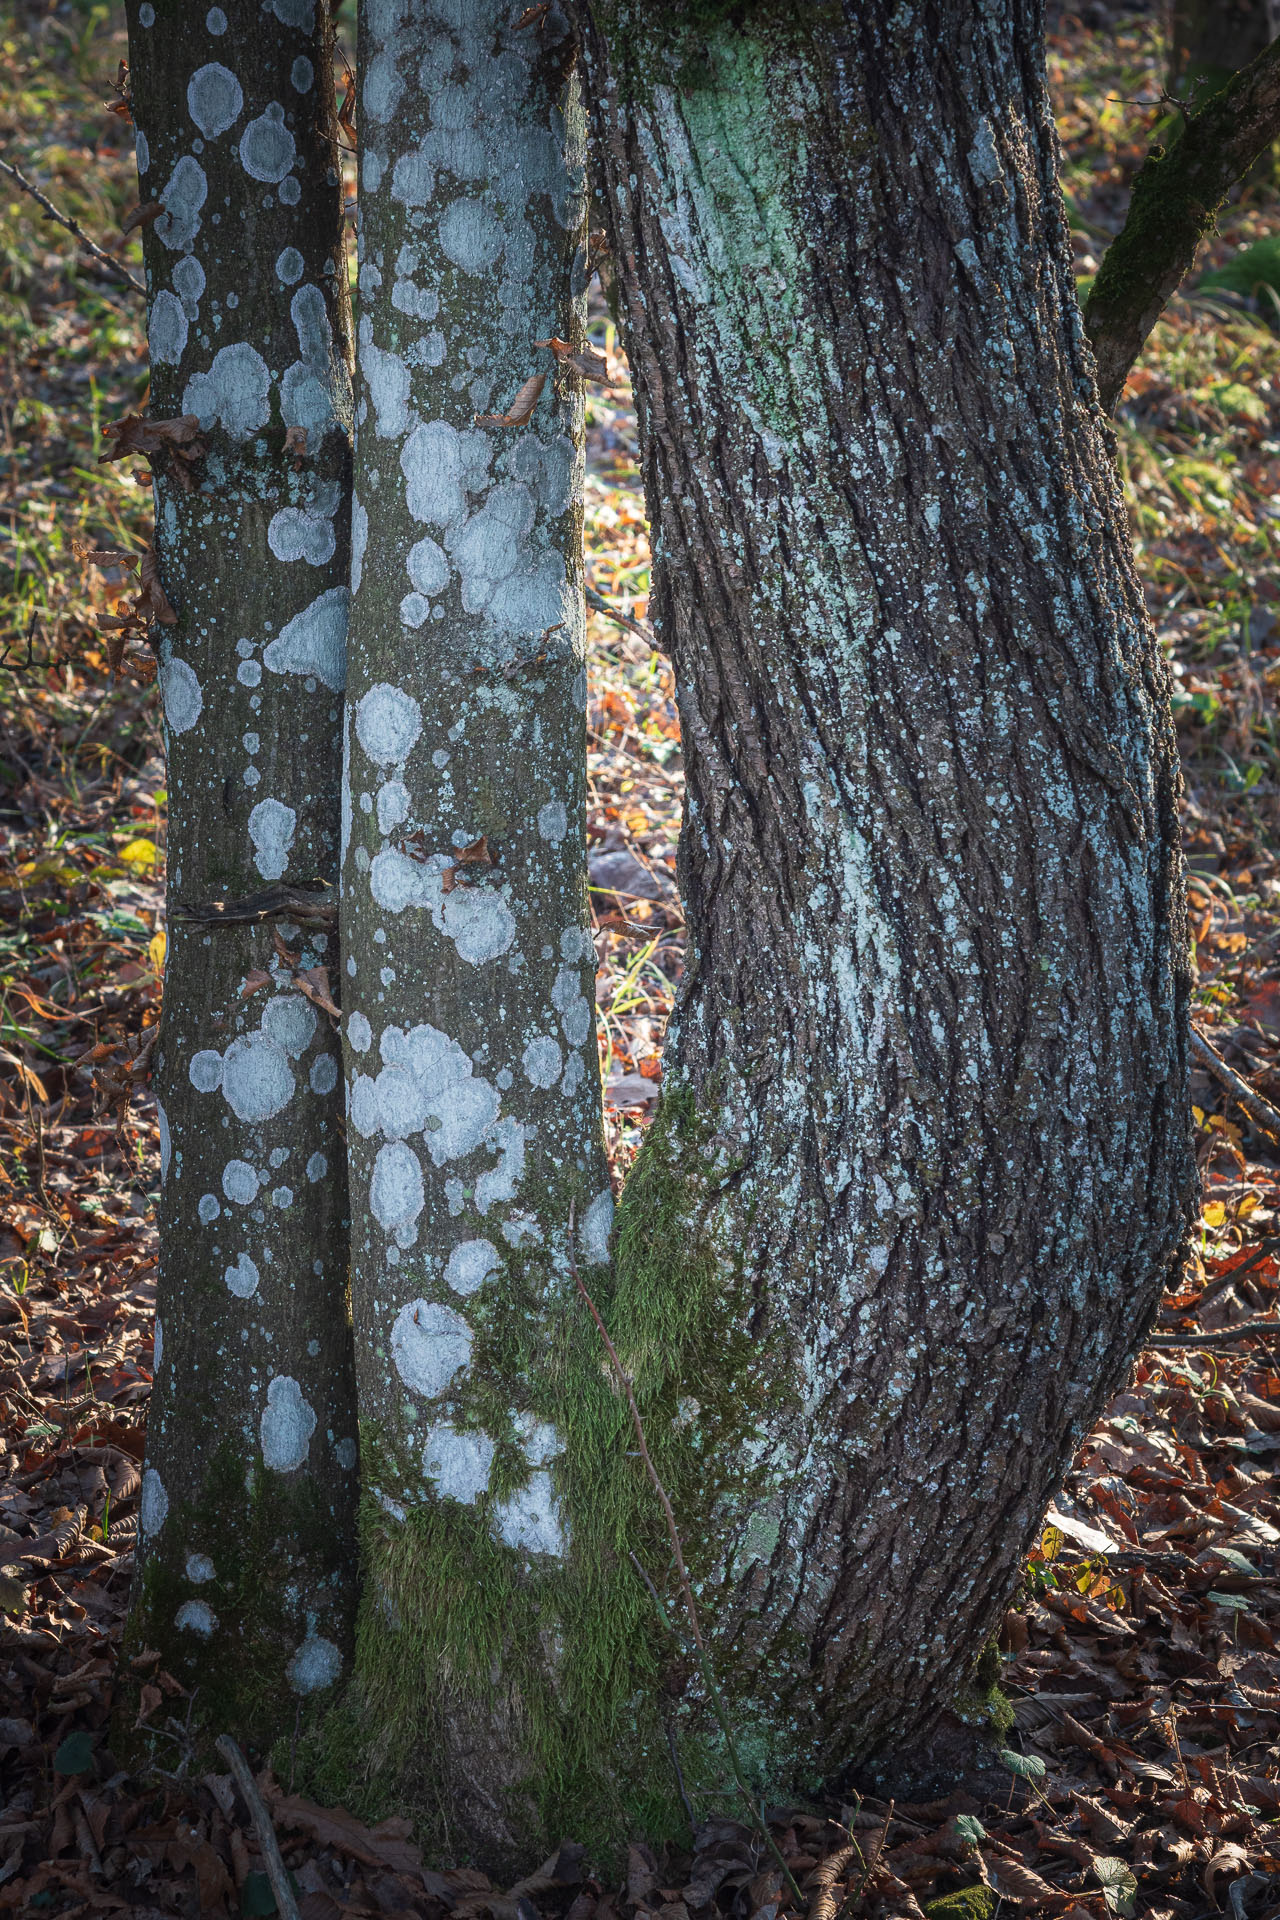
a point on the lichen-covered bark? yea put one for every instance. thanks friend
(934, 1026)
(473, 1083)
(245, 1577)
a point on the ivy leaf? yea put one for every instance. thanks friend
(970, 1828)
(1118, 1882)
(75, 1755)
(1027, 1766)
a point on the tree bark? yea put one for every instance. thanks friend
(926, 1082)
(474, 1096)
(245, 1579)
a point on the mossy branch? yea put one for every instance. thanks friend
(1175, 199)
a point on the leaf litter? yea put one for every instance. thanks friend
(1138, 1664)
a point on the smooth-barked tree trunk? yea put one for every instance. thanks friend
(926, 1084)
(473, 1081)
(246, 1578)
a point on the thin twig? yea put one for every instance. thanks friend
(277, 1873)
(1259, 1110)
(72, 226)
(682, 1574)
(598, 604)
(1222, 1337)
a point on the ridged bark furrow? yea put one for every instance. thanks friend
(935, 1014)
(246, 1576)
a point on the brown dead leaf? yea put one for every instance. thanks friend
(142, 215)
(254, 981)
(532, 16)
(153, 598)
(475, 855)
(386, 1845)
(313, 983)
(1012, 1881)
(148, 1700)
(295, 445)
(521, 408)
(590, 364)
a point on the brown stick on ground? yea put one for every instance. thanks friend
(72, 226)
(1259, 1110)
(1174, 200)
(277, 1872)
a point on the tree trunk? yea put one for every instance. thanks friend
(929, 1059)
(1209, 40)
(245, 1575)
(474, 1095)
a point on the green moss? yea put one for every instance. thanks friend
(560, 1676)
(272, 1536)
(983, 1699)
(969, 1903)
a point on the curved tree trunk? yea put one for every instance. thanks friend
(929, 1056)
(247, 1538)
(474, 1092)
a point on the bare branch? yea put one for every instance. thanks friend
(1260, 1111)
(1175, 198)
(73, 227)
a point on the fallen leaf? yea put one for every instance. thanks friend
(142, 215)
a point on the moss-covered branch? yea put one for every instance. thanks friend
(1175, 198)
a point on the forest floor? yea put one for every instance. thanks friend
(1141, 1743)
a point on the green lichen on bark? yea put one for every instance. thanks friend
(565, 1669)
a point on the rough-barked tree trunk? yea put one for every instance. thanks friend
(246, 1578)
(926, 1082)
(473, 1081)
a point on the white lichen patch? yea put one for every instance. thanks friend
(441, 466)
(530, 1518)
(597, 1224)
(457, 1464)
(359, 1032)
(272, 826)
(199, 1568)
(500, 1182)
(256, 1079)
(240, 1183)
(267, 147)
(215, 99)
(290, 1021)
(396, 1191)
(314, 641)
(430, 1345)
(288, 1422)
(553, 822)
(196, 1616)
(242, 1279)
(479, 922)
(180, 692)
(470, 1264)
(153, 1507)
(235, 393)
(315, 1665)
(306, 533)
(323, 1077)
(205, 1070)
(182, 199)
(542, 1061)
(167, 329)
(388, 724)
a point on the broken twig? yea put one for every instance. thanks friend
(72, 226)
(1259, 1110)
(277, 1872)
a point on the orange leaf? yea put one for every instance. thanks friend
(521, 408)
